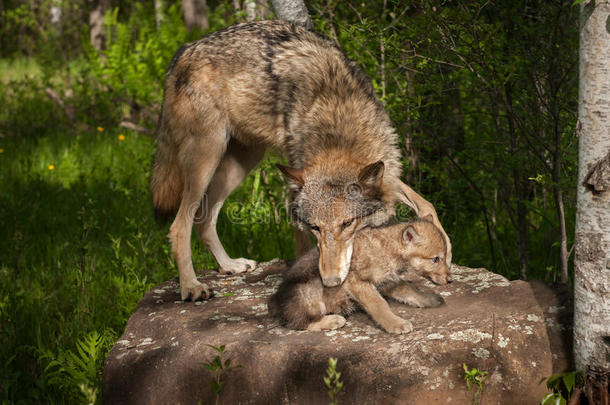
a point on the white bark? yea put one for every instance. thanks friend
(293, 11)
(250, 6)
(195, 14)
(158, 12)
(592, 260)
(96, 22)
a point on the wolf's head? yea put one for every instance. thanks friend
(334, 204)
(425, 249)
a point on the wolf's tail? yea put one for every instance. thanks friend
(167, 180)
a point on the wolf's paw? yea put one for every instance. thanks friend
(236, 266)
(194, 290)
(399, 325)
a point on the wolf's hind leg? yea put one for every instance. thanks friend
(327, 322)
(200, 165)
(234, 167)
(410, 295)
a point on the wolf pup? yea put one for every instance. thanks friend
(384, 262)
(271, 84)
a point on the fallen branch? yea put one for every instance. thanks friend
(67, 109)
(134, 127)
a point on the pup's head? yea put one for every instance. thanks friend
(425, 250)
(334, 203)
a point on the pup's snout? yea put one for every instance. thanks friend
(331, 281)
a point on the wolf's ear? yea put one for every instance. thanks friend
(410, 235)
(372, 175)
(294, 175)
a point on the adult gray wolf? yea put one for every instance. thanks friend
(384, 262)
(271, 84)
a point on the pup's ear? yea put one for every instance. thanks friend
(428, 218)
(372, 175)
(410, 235)
(294, 175)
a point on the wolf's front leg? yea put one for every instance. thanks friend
(236, 163)
(410, 295)
(377, 307)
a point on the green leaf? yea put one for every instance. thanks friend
(551, 383)
(569, 380)
(547, 399)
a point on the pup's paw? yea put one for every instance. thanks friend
(333, 322)
(327, 322)
(431, 300)
(194, 290)
(235, 266)
(399, 326)
(423, 300)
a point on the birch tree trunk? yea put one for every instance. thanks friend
(195, 14)
(96, 22)
(293, 11)
(158, 12)
(592, 260)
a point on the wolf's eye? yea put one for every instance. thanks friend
(314, 228)
(436, 259)
(346, 224)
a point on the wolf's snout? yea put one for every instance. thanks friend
(440, 279)
(331, 281)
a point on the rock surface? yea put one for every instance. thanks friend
(515, 330)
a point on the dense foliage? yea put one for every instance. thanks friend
(483, 94)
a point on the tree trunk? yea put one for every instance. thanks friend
(518, 184)
(250, 6)
(96, 22)
(158, 12)
(293, 11)
(592, 260)
(195, 14)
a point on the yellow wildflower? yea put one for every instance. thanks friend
(1, 150)
(51, 167)
(121, 137)
(100, 129)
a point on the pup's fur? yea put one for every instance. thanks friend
(272, 84)
(384, 262)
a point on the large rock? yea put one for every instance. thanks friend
(515, 330)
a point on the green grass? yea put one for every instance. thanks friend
(18, 69)
(80, 247)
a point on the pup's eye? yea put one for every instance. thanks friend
(436, 259)
(346, 224)
(314, 228)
